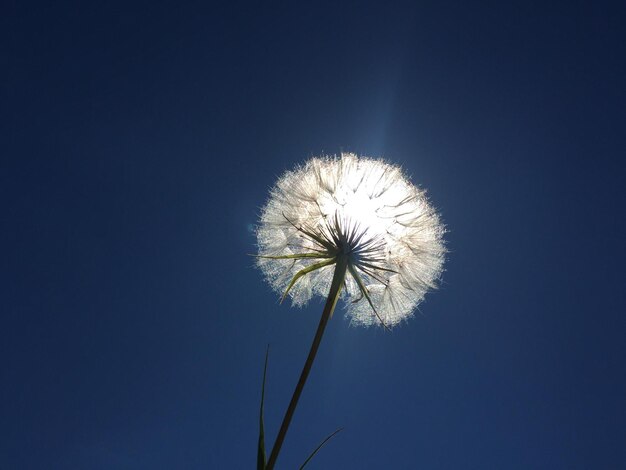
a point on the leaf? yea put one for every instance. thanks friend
(261, 456)
(319, 239)
(319, 447)
(296, 256)
(363, 290)
(304, 271)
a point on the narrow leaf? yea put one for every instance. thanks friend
(363, 290)
(296, 256)
(261, 457)
(319, 447)
(304, 271)
(323, 243)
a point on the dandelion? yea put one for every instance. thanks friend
(351, 227)
(364, 213)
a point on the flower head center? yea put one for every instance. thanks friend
(349, 240)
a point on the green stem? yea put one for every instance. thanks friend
(331, 301)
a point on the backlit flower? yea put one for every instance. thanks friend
(364, 213)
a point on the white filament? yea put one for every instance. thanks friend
(399, 234)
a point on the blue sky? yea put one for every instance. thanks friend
(139, 142)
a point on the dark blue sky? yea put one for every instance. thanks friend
(138, 144)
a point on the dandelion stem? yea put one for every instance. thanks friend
(335, 288)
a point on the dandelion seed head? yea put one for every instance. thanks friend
(364, 210)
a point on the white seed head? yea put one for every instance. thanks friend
(364, 210)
